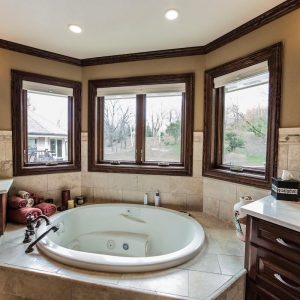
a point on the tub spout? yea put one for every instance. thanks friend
(30, 226)
(30, 247)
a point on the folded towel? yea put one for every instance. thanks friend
(23, 194)
(20, 215)
(37, 198)
(30, 202)
(47, 209)
(17, 202)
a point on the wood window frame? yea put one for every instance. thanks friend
(19, 125)
(213, 120)
(95, 127)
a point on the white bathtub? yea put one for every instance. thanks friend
(122, 238)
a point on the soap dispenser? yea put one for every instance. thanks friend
(157, 199)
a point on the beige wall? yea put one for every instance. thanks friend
(184, 192)
(287, 30)
(13, 60)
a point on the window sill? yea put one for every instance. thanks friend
(256, 180)
(46, 169)
(141, 169)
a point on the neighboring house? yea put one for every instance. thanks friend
(47, 141)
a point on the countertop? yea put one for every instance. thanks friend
(5, 185)
(283, 213)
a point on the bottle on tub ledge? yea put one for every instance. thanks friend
(65, 197)
(145, 199)
(240, 218)
(157, 199)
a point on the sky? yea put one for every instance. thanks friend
(51, 107)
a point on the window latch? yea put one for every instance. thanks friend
(51, 163)
(115, 162)
(236, 169)
(163, 164)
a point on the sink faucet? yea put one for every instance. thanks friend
(30, 221)
(30, 247)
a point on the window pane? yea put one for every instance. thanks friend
(47, 127)
(246, 122)
(163, 127)
(119, 127)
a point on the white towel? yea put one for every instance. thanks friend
(30, 202)
(24, 194)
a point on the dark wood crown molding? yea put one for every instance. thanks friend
(263, 19)
(39, 52)
(190, 51)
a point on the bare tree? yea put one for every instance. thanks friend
(117, 123)
(239, 116)
(157, 121)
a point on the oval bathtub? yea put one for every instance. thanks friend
(122, 238)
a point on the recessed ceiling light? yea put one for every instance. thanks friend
(171, 14)
(75, 28)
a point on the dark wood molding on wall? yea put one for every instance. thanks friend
(96, 161)
(190, 51)
(261, 20)
(19, 125)
(212, 156)
(39, 53)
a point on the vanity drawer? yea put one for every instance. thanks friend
(274, 273)
(283, 241)
(255, 292)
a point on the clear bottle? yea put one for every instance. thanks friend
(145, 199)
(157, 199)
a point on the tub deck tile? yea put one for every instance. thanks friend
(209, 275)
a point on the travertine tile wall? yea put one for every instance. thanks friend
(220, 196)
(289, 151)
(5, 154)
(49, 186)
(177, 192)
(215, 197)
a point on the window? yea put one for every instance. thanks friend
(46, 124)
(241, 118)
(141, 124)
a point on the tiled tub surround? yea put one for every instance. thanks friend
(191, 193)
(49, 186)
(215, 197)
(176, 192)
(6, 154)
(219, 197)
(216, 273)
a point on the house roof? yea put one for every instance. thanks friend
(39, 125)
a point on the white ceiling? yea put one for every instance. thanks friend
(122, 26)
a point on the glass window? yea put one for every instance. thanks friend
(142, 124)
(119, 127)
(46, 123)
(163, 127)
(241, 119)
(246, 122)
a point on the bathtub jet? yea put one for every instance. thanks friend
(122, 238)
